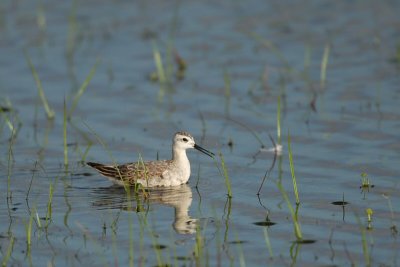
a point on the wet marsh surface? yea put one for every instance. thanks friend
(132, 74)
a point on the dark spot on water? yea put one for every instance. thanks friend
(237, 242)
(313, 103)
(393, 229)
(305, 241)
(183, 258)
(264, 223)
(230, 143)
(367, 186)
(14, 209)
(5, 109)
(340, 203)
(148, 34)
(163, 265)
(82, 174)
(159, 246)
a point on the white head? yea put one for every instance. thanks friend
(183, 141)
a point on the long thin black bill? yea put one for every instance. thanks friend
(205, 151)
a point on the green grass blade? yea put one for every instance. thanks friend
(367, 256)
(227, 92)
(10, 159)
(267, 242)
(7, 255)
(50, 113)
(272, 47)
(83, 87)
(65, 135)
(131, 232)
(324, 65)
(296, 224)
(162, 78)
(278, 120)
(86, 151)
(38, 219)
(258, 138)
(126, 186)
(292, 171)
(49, 205)
(226, 175)
(29, 230)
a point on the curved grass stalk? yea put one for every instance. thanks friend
(162, 78)
(28, 228)
(292, 171)
(8, 253)
(296, 224)
(50, 113)
(271, 46)
(65, 136)
(250, 130)
(225, 175)
(324, 65)
(267, 242)
(367, 256)
(83, 87)
(278, 120)
(227, 92)
(49, 205)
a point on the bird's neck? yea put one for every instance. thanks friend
(179, 155)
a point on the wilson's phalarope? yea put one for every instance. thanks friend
(155, 173)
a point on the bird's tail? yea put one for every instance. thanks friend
(106, 170)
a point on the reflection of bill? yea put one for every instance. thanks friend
(178, 197)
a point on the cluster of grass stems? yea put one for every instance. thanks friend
(67, 113)
(49, 111)
(226, 176)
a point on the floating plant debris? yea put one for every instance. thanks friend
(305, 241)
(237, 242)
(340, 203)
(5, 109)
(264, 223)
(159, 246)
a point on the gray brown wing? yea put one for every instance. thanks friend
(132, 171)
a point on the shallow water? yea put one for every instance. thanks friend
(260, 51)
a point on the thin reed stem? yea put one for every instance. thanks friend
(162, 78)
(8, 253)
(324, 65)
(296, 224)
(49, 205)
(227, 92)
(250, 130)
(367, 256)
(83, 87)
(278, 120)
(267, 242)
(226, 175)
(292, 171)
(29, 231)
(50, 113)
(65, 136)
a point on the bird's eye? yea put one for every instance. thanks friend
(185, 140)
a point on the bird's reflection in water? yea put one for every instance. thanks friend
(178, 197)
